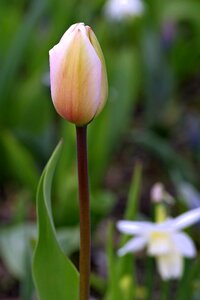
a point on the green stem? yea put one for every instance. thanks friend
(165, 290)
(85, 241)
(149, 278)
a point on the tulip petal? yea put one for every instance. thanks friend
(130, 227)
(56, 57)
(66, 35)
(184, 244)
(134, 245)
(104, 80)
(187, 219)
(170, 266)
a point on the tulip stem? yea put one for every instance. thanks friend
(84, 202)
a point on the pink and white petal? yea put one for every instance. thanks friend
(87, 79)
(131, 227)
(56, 61)
(170, 266)
(67, 33)
(134, 245)
(187, 219)
(184, 244)
(104, 80)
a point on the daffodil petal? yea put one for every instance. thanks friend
(134, 245)
(170, 266)
(187, 219)
(159, 243)
(130, 227)
(184, 244)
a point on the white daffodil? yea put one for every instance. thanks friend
(122, 9)
(165, 241)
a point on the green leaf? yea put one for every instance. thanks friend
(18, 160)
(121, 271)
(16, 252)
(126, 264)
(13, 247)
(113, 292)
(172, 160)
(16, 52)
(54, 275)
(14, 241)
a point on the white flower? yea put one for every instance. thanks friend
(121, 9)
(163, 240)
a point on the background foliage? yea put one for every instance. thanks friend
(152, 116)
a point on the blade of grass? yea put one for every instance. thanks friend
(98, 283)
(126, 265)
(185, 287)
(165, 289)
(149, 278)
(133, 196)
(16, 52)
(113, 292)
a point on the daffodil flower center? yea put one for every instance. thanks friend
(159, 242)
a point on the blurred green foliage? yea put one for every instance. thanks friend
(153, 69)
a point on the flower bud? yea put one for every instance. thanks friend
(157, 192)
(78, 75)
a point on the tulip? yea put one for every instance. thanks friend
(78, 75)
(165, 241)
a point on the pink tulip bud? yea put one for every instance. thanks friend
(78, 75)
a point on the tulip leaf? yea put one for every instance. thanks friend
(54, 275)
